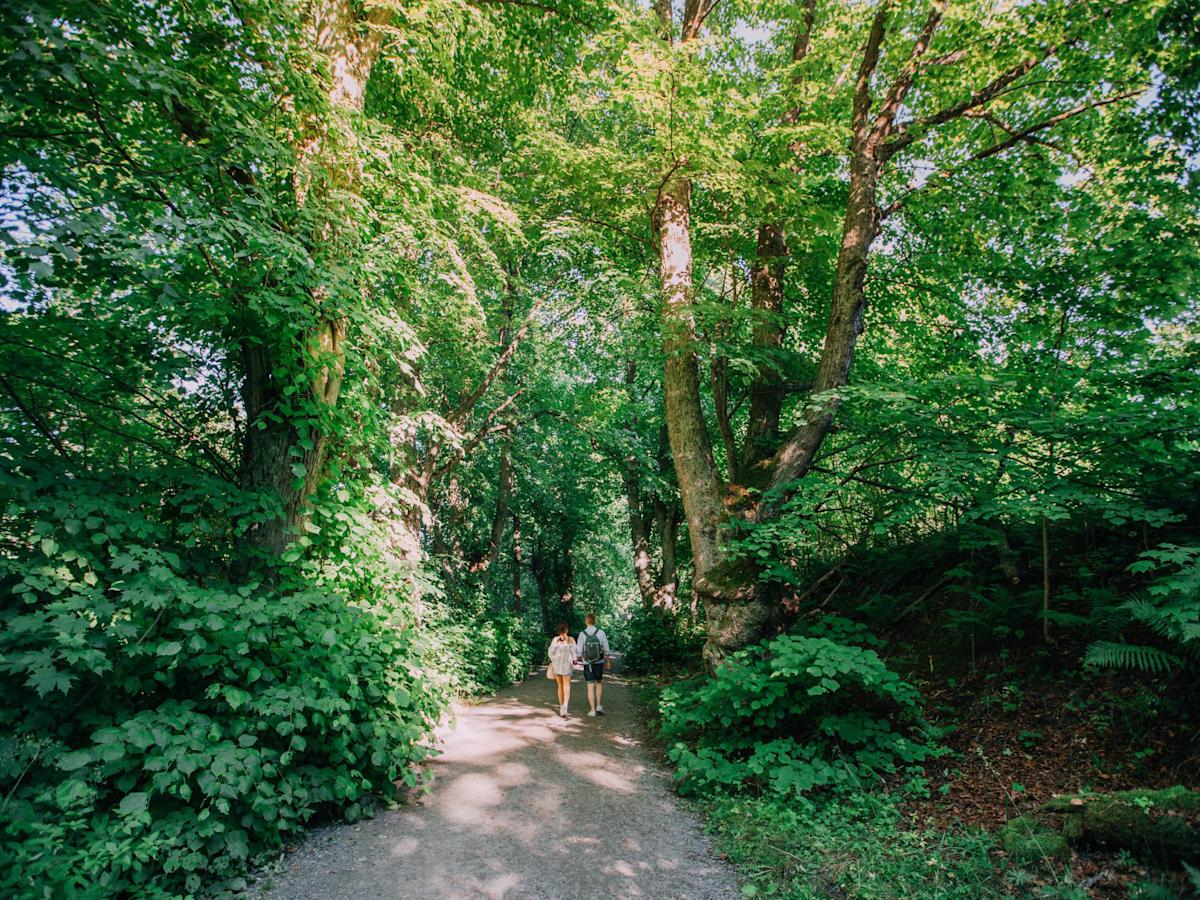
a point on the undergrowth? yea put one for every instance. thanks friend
(810, 710)
(161, 726)
(859, 845)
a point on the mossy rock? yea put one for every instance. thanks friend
(1162, 825)
(1028, 840)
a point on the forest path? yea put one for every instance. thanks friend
(524, 804)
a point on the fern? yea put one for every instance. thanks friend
(1169, 607)
(1193, 875)
(1176, 621)
(1066, 619)
(1110, 655)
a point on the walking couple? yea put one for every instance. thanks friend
(592, 648)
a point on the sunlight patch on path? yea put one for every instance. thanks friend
(522, 802)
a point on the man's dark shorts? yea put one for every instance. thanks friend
(593, 671)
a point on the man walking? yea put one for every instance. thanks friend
(592, 645)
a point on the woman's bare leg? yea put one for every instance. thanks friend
(558, 681)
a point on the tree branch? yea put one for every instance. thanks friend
(904, 135)
(489, 427)
(870, 60)
(35, 419)
(900, 87)
(1015, 136)
(459, 416)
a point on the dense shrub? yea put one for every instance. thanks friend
(481, 653)
(161, 725)
(662, 639)
(807, 710)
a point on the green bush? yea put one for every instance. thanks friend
(1170, 609)
(662, 639)
(481, 653)
(802, 712)
(859, 846)
(161, 725)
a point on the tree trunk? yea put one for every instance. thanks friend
(566, 598)
(541, 577)
(500, 515)
(639, 527)
(554, 573)
(667, 519)
(276, 443)
(766, 393)
(859, 229)
(738, 612)
(516, 564)
(639, 536)
(1158, 825)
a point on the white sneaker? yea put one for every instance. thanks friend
(600, 710)
(591, 714)
(562, 710)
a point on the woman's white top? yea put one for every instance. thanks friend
(562, 654)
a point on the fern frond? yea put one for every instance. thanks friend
(1067, 619)
(1152, 616)
(1193, 875)
(1110, 655)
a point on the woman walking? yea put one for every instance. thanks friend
(562, 657)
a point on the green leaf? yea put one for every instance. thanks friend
(135, 803)
(76, 759)
(45, 679)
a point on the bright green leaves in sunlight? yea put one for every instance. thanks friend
(773, 719)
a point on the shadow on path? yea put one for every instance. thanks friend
(524, 804)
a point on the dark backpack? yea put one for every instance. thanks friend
(591, 646)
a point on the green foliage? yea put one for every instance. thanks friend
(861, 845)
(1170, 609)
(661, 639)
(196, 234)
(485, 653)
(799, 713)
(1109, 655)
(162, 726)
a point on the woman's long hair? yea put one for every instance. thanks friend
(562, 630)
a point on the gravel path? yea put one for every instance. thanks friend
(524, 805)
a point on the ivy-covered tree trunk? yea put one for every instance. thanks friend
(280, 456)
(518, 600)
(285, 445)
(500, 516)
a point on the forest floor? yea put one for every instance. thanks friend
(522, 804)
(1024, 731)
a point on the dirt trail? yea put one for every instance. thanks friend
(524, 805)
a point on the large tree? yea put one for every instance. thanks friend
(776, 155)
